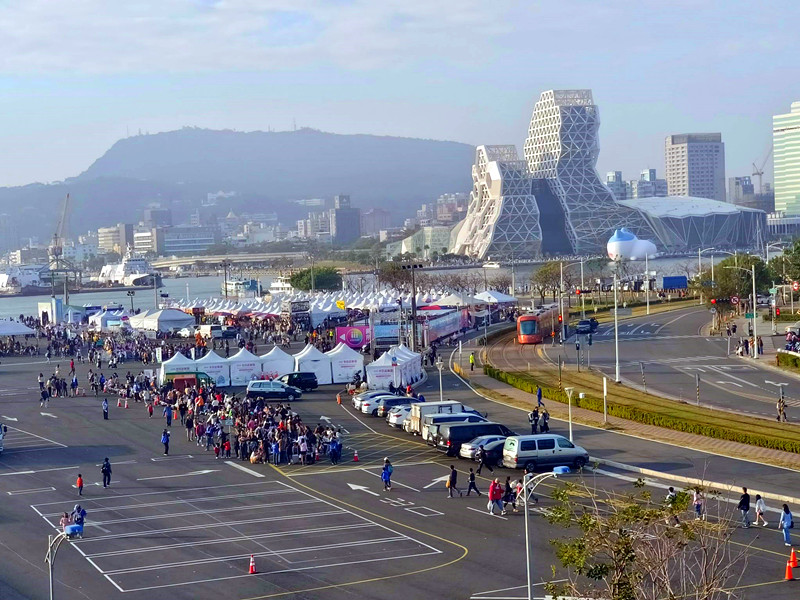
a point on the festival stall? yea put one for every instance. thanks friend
(381, 372)
(276, 362)
(495, 297)
(176, 366)
(245, 367)
(345, 363)
(109, 320)
(162, 320)
(214, 368)
(411, 362)
(311, 360)
(14, 328)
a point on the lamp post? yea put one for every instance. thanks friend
(752, 270)
(700, 269)
(53, 543)
(616, 332)
(781, 246)
(569, 391)
(488, 310)
(440, 366)
(529, 483)
(131, 294)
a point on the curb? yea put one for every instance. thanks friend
(693, 480)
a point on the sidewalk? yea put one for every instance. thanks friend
(515, 397)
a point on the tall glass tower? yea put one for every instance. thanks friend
(786, 150)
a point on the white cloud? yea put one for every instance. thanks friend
(150, 36)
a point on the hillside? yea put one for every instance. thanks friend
(178, 168)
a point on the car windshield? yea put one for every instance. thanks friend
(528, 327)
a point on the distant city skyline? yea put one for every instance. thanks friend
(77, 77)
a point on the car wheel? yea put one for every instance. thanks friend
(375, 413)
(290, 397)
(530, 466)
(579, 463)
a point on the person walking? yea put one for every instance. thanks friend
(539, 396)
(495, 496)
(452, 483)
(483, 460)
(761, 508)
(471, 361)
(785, 524)
(533, 419)
(698, 501)
(386, 475)
(744, 508)
(545, 427)
(672, 496)
(79, 484)
(471, 486)
(105, 470)
(105, 409)
(168, 414)
(509, 495)
(165, 441)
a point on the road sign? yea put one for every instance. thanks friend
(734, 300)
(748, 315)
(796, 285)
(712, 310)
(773, 290)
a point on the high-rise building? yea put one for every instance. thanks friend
(375, 219)
(115, 239)
(157, 217)
(562, 148)
(647, 186)
(616, 184)
(786, 153)
(695, 165)
(345, 221)
(740, 189)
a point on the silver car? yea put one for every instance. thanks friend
(469, 449)
(359, 398)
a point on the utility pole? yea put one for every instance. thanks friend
(616, 333)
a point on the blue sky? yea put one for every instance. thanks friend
(76, 75)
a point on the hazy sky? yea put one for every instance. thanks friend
(76, 75)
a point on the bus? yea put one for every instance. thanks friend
(534, 327)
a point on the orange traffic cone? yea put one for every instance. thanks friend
(316, 455)
(793, 559)
(119, 402)
(126, 403)
(355, 455)
(339, 398)
(174, 414)
(253, 565)
(789, 576)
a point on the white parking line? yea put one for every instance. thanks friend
(483, 512)
(33, 491)
(177, 457)
(39, 471)
(245, 469)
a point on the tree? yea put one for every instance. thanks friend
(393, 275)
(628, 546)
(791, 256)
(500, 282)
(325, 278)
(546, 278)
(731, 278)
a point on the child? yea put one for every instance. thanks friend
(216, 451)
(227, 448)
(698, 504)
(761, 508)
(79, 484)
(150, 410)
(472, 485)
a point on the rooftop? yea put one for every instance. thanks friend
(683, 206)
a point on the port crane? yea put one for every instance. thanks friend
(59, 264)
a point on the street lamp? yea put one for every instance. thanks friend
(53, 544)
(440, 365)
(752, 270)
(700, 270)
(569, 404)
(531, 481)
(131, 294)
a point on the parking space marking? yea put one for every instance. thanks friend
(424, 511)
(33, 491)
(483, 512)
(18, 440)
(132, 557)
(176, 457)
(245, 469)
(39, 471)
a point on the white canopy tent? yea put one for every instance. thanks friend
(380, 373)
(245, 367)
(345, 363)
(109, 319)
(276, 362)
(177, 365)
(14, 328)
(215, 368)
(495, 297)
(311, 360)
(456, 300)
(162, 320)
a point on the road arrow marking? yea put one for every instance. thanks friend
(10, 418)
(203, 472)
(729, 383)
(435, 481)
(48, 415)
(326, 419)
(362, 488)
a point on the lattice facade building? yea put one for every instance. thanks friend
(502, 218)
(562, 147)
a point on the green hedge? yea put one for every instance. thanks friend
(528, 384)
(787, 360)
(785, 317)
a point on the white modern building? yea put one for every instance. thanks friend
(786, 156)
(695, 165)
(502, 216)
(647, 186)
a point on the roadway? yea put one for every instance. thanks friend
(186, 525)
(673, 352)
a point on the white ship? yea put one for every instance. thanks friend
(23, 279)
(280, 285)
(241, 287)
(132, 271)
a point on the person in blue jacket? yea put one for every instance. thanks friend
(386, 475)
(785, 524)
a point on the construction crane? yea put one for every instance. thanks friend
(58, 264)
(759, 172)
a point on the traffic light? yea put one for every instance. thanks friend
(777, 312)
(560, 319)
(713, 301)
(578, 292)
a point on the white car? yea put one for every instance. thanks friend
(186, 332)
(469, 449)
(359, 398)
(368, 405)
(398, 414)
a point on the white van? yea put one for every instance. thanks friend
(548, 450)
(413, 424)
(3, 430)
(430, 423)
(211, 331)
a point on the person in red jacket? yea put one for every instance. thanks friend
(495, 497)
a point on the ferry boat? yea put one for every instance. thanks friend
(280, 285)
(241, 287)
(25, 280)
(131, 272)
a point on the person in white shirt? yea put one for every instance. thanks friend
(761, 508)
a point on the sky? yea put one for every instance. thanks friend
(77, 75)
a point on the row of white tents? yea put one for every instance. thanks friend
(339, 365)
(151, 320)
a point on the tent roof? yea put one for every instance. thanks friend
(212, 358)
(495, 297)
(179, 359)
(14, 328)
(276, 353)
(342, 348)
(243, 355)
(310, 352)
(457, 300)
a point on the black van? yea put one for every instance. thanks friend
(303, 381)
(451, 435)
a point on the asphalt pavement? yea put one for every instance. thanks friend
(185, 525)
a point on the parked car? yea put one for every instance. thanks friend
(359, 398)
(542, 450)
(229, 331)
(451, 436)
(430, 424)
(469, 449)
(586, 326)
(494, 453)
(186, 332)
(273, 389)
(369, 406)
(385, 404)
(398, 414)
(304, 381)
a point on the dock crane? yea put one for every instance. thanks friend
(58, 264)
(759, 172)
